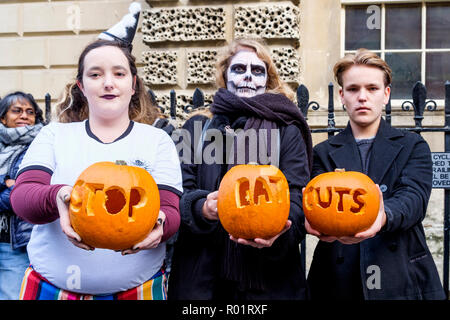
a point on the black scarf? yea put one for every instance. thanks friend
(244, 264)
(264, 111)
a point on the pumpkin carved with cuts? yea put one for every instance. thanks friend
(253, 201)
(341, 203)
(114, 206)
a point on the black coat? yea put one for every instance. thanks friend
(401, 165)
(198, 250)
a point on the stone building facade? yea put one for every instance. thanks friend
(176, 46)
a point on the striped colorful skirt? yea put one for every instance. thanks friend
(35, 287)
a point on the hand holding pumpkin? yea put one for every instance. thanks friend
(10, 182)
(153, 239)
(310, 230)
(62, 202)
(254, 202)
(114, 206)
(262, 243)
(341, 203)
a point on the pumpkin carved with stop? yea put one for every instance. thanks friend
(253, 201)
(114, 206)
(341, 203)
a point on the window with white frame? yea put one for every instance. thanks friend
(412, 36)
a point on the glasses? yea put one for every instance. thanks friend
(19, 111)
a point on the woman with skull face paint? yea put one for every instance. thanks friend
(208, 263)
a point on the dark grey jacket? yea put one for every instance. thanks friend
(401, 165)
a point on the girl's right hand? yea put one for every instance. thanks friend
(62, 201)
(209, 208)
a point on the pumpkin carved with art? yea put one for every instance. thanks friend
(253, 201)
(341, 203)
(114, 206)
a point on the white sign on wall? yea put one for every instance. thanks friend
(441, 169)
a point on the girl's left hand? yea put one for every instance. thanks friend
(153, 239)
(262, 243)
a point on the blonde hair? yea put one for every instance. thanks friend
(362, 57)
(274, 82)
(73, 106)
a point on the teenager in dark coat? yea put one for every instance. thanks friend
(207, 263)
(391, 259)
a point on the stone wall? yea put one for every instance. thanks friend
(183, 39)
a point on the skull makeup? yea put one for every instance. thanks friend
(246, 75)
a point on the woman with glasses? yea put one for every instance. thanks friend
(21, 120)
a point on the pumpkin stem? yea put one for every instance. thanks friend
(339, 170)
(121, 162)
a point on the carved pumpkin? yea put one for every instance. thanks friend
(114, 206)
(253, 201)
(341, 203)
